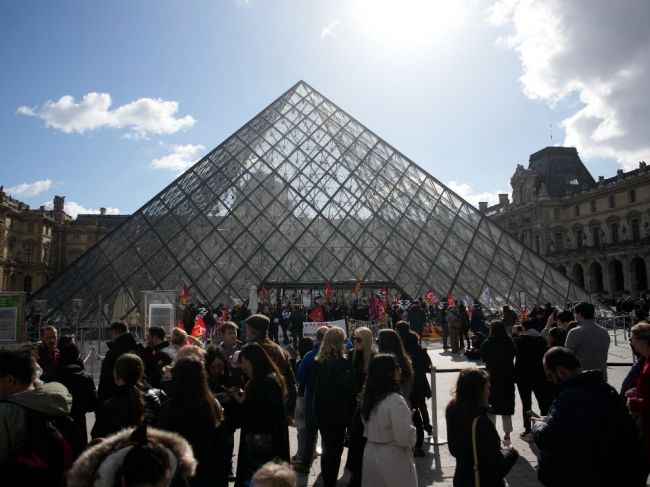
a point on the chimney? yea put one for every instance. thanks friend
(482, 206)
(59, 201)
(503, 199)
(102, 211)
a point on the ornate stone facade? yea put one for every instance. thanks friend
(596, 232)
(36, 244)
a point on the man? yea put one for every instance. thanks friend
(229, 343)
(509, 318)
(416, 317)
(537, 316)
(17, 395)
(588, 437)
(564, 318)
(529, 373)
(453, 324)
(256, 327)
(156, 355)
(589, 341)
(305, 376)
(297, 323)
(48, 352)
(122, 342)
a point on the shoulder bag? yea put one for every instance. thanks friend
(477, 480)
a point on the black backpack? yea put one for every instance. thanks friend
(50, 447)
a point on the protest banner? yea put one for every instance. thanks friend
(309, 327)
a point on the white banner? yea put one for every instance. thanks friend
(310, 327)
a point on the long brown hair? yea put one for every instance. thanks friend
(390, 342)
(263, 367)
(468, 393)
(130, 368)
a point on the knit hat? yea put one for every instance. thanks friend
(258, 322)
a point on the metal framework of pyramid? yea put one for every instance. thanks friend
(305, 193)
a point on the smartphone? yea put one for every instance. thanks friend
(532, 414)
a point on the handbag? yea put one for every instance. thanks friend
(477, 480)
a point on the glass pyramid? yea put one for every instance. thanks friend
(305, 193)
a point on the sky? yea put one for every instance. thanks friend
(106, 103)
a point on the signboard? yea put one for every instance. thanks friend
(159, 309)
(161, 315)
(11, 312)
(310, 327)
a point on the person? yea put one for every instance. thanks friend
(556, 337)
(135, 457)
(48, 351)
(564, 317)
(477, 321)
(308, 436)
(229, 343)
(156, 355)
(334, 401)
(256, 328)
(466, 416)
(131, 403)
(589, 341)
(297, 319)
(389, 342)
(529, 373)
(454, 323)
(359, 359)
(24, 458)
(259, 409)
(387, 457)
(121, 342)
(273, 474)
(509, 318)
(416, 317)
(463, 332)
(70, 372)
(638, 396)
(498, 352)
(177, 341)
(587, 438)
(193, 412)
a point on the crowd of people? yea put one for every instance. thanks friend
(167, 411)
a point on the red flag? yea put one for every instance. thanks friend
(450, 299)
(317, 314)
(357, 287)
(430, 297)
(524, 315)
(180, 325)
(199, 327)
(185, 295)
(328, 292)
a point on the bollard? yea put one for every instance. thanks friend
(435, 438)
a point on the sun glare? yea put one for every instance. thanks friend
(408, 23)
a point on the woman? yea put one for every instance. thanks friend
(216, 365)
(498, 353)
(334, 401)
(638, 397)
(470, 402)
(360, 357)
(390, 342)
(260, 412)
(194, 413)
(387, 458)
(70, 372)
(132, 405)
(464, 327)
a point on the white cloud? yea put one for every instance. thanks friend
(181, 157)
(244, 3)
(74, 209)
(465, 191)
(330, 29)
(142, 116)
(30, 189)
(598, 51)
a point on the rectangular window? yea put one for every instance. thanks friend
(595, 232)
(556, 213)
(614, 230)
(29, 253)
(633, 196)
(577, 210)
(30, 227)
(612, 201)
(636, 233)
(557, 240)
(593, 206)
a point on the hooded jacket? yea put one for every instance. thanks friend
(122, 344)
(98, 465)
(51, 399)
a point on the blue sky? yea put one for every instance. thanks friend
(105, 102)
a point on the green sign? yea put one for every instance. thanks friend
(10, 312)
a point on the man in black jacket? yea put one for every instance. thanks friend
(588, 437)
(122, 342)
(416, 318)
(156, 355)
(529, 373)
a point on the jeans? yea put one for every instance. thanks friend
(543, 394)
(445, 334)
(309, 439)
(453, 337)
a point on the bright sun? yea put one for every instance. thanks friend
(408, 23)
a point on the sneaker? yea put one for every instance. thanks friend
(506, 440)
(296, 458)
(303, 469)
(526, 436)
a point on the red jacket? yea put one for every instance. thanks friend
(640, 405)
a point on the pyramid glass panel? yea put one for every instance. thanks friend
(303, 193)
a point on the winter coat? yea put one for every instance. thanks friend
(529, 365)
(588, 438)
(98, 465)
(334, 392)
(494, 463)
(155, 358)
(280, 358)
(264, 435)
(47, 358)
(81, 386)
(416, 318)
(498, 353)
(208, 444)
(122, 344)
(640, 405)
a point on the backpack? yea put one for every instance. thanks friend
(50, 447)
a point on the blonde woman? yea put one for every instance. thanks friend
(360, 357)
(334, 401)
